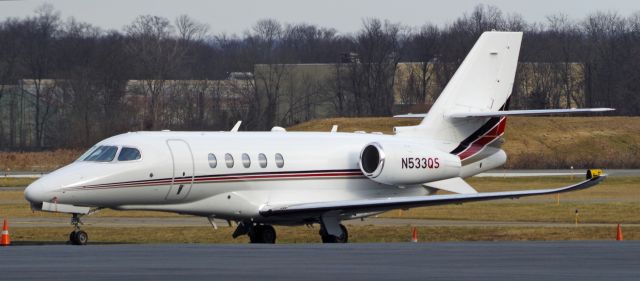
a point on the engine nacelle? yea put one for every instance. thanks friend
(407, 164)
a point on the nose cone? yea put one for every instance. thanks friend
(35, 192)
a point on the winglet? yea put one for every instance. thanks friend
(594, 173)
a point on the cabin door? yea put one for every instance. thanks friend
(182, 169)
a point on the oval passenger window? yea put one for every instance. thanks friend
(279, 160)
(246, 161)
(229, 159)
(263, 160)
(213, 161)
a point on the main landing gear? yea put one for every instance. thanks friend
(331, 231)
(77, 236)
(262, 233)
(328, 238)
(258, 233)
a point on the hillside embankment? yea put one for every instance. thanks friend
(531, 142)
(536, 142)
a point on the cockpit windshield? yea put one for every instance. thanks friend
(86, 153)
(128, 154)
(104, 153)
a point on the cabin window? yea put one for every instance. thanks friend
(246, 160)
(104, 153)
(213, 161)
(129, 154)
(263, 160)
(279, 160)
(229, 160)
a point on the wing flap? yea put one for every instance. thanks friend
(385, 204)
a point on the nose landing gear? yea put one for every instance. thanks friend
(77, 236)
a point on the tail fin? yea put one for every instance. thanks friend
(482, 83)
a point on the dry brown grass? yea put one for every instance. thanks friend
(536, 142)
(616, 200)
(361, 233)
(611, 189)
(15, 182)
(528, 212)
(561, 142)
(42, 161)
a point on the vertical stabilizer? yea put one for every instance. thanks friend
(482, 83)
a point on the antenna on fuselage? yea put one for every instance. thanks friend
(236, 126)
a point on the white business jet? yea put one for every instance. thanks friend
(260, 179)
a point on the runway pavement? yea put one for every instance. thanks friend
(577, 260)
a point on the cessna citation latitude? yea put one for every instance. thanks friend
(261, 179)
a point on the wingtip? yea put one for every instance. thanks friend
(593, 174)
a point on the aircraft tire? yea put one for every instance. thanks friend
(268, 234)
(72, 237)
(327, 238)
(263, 234)
(79, 237)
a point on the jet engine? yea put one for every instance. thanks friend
(407, 164)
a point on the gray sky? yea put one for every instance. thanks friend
(236, 16)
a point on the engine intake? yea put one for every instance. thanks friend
(372, 160)
(397, 163)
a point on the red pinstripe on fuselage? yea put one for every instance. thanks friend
(231, 178)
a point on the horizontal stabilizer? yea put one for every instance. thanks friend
(526, 112)
(455, 185)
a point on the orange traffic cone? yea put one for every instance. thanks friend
(5, 235)
(414, 236)
(619, 234)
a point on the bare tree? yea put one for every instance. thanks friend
(39, 62)
(379, 48)
(263, 42)
(155, 54)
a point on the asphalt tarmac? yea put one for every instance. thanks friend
(574, 260)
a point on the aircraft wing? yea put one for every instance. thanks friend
(386, 204)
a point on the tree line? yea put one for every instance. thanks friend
(65, 83)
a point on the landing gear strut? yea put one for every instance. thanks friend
(328, 238)
(77, 236)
